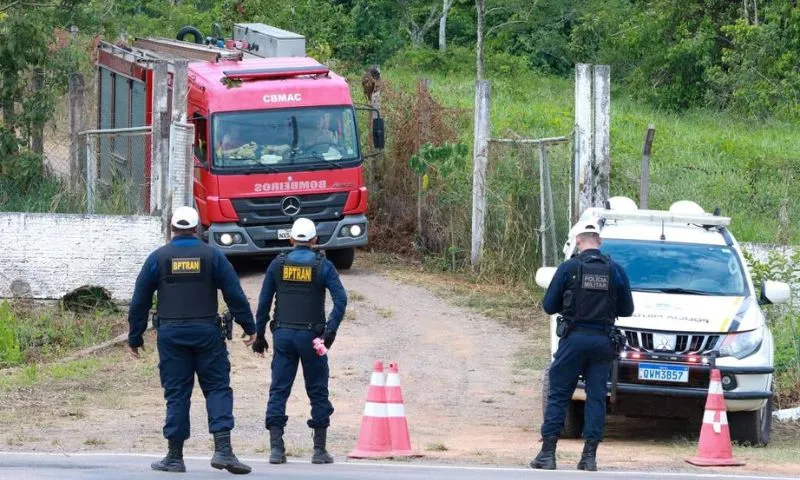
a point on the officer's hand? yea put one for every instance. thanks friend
(250, 339)
(328, 339)
(260, 345)
(134, 351)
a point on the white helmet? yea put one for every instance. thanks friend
(184, 218)
(303, 230)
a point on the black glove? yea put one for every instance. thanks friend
(260, 345)
(328, 338)
(272, 325)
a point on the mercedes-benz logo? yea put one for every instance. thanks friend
(290, 206)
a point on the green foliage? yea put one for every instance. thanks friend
(28, 335)
(784, 321)
(10, 351)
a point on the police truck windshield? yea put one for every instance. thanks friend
(286, 139)
(678, 268)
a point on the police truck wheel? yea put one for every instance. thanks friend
(752, 428)
(341, 259)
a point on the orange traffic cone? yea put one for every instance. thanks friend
(374, 440)
(398, 424)
(714, 449)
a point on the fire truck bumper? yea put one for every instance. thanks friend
(234, 239)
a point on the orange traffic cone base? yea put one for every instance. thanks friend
(714, 462)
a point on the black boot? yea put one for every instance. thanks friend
(277, 452)
(320, 454)
(546, 459)
(173, 462)
(224, 457)
(589, 456)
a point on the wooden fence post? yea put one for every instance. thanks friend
(424, 137)
(75, 121)
(481, 159)
(644, 184)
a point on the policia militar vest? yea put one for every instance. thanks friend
(590, 296)
(300, 295)
(186, 286)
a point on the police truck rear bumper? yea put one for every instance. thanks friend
(264, 240)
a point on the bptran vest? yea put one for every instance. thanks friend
(300, 295)
(590, 295)
(186, 286)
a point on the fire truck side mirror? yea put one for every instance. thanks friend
(378, 137)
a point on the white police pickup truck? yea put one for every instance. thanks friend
(695, 304)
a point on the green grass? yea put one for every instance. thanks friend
(30, 375)
(746, 168)
(40, 334)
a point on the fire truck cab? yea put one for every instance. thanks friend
(275, 139)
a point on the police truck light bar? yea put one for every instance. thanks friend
(656, 216)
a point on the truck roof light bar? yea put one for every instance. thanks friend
(278, 72)
(656, 216)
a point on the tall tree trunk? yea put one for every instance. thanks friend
(481, 7)
(446, 4)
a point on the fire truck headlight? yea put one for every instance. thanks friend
(226, 239)
(355, 230)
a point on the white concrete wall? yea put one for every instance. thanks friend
(46, 256)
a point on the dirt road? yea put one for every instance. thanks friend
(467, 398)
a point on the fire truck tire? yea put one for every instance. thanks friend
(341, 259)
(189, 30)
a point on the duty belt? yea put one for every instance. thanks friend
(212, 320)
(590, 331)
(320, 327)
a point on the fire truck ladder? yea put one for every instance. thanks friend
(176, 49)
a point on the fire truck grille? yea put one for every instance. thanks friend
(283, 209)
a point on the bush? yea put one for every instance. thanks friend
(784, 321)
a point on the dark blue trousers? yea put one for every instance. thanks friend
(185, 350)
(589, 355)
(291, 347)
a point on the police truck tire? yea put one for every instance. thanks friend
(342, 259)
(189, 30)
(573, 423)
(751, 428)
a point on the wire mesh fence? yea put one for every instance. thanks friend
(528, 196)
(116, 170)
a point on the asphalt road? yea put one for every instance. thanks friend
(30, 466)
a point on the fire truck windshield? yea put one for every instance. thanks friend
(285, 140)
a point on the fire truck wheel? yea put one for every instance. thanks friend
(341, 259)
(189, 30)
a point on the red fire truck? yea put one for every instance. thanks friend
(276, 138)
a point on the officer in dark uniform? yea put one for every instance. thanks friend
(590, 291)
(186, 273)
(298, 281)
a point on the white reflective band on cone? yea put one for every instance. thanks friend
(376, 379)
(372, 409)
(709, 417)
(715, 388)
(396, 409)
(393, 380)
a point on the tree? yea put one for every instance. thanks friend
(446, 5)
(480, 5)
